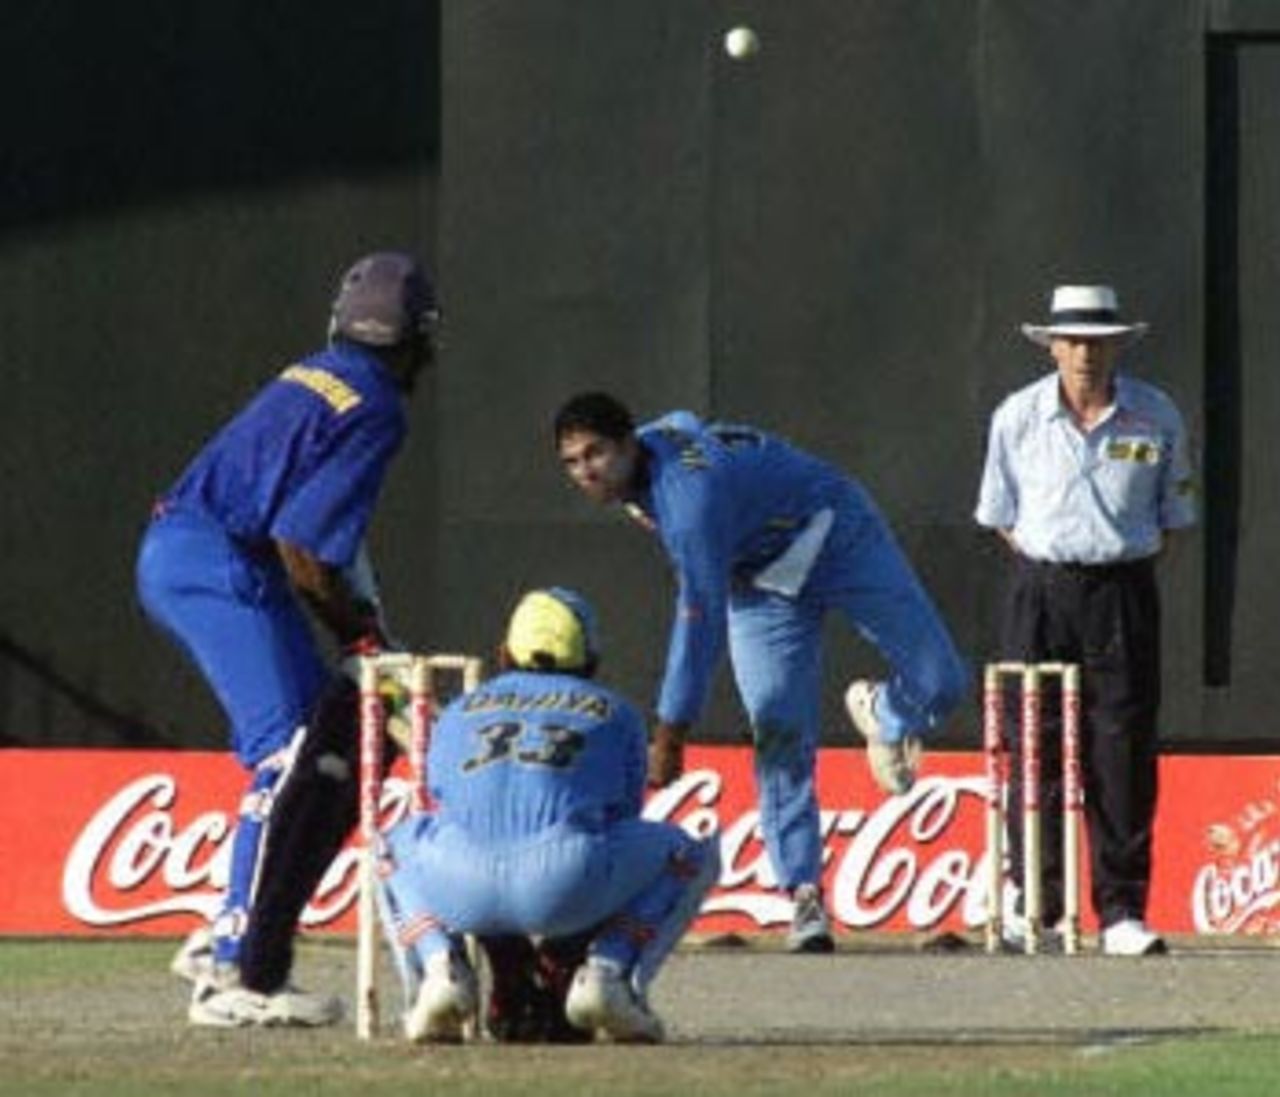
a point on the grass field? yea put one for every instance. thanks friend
(106, 1019)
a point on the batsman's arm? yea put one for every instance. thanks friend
(354, 622)
(362, 581)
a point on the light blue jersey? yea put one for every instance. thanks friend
(726, 501)
(538, 781)
(1097, 497)
(765, 540)
(527, 751)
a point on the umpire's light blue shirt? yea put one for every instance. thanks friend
(1099, 497)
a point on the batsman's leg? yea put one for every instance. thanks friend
(315, 811)
(246, 855)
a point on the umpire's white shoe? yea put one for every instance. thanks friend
(602, 1000)
(810, 927)
(194, 959)
(216, 1006)
(1131, 938)
(446, 1000)
(893, 765)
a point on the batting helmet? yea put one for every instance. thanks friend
(383, 300)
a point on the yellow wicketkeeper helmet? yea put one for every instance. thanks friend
(553, 629)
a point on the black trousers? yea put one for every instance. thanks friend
(316, 808)
(1107, 619)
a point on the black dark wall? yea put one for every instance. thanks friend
(180, 187)
(836, 239)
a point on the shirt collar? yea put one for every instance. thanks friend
(1049, 398)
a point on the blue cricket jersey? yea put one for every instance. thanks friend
(725, 501)
(527, 751)
(305, 459)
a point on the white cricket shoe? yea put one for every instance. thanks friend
(893, 765)
(446, 1000)
(194, 959)
(810, 927)
(601, 999)
(216, 1006)
(1131, 938)
(1013, 935)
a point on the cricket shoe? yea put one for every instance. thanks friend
(1013, 936)
(893, 765)
(1130, 937)
(602, 1000)
(810, 927)
(194, 959)
(218, 1006)
(446, 1000)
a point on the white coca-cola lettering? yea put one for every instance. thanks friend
(745, 865)
(1225, 897)
(201, 854)
(890, 861)
(131, 843)
(141, 843)
(874, 879)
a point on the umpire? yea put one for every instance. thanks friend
(1087, 473)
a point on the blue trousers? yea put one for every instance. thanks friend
(236, 619)
(775, 645)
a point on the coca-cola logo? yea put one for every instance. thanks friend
(1238, 891)
(131, 862)
(898, 859)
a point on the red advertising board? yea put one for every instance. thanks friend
(110, 842)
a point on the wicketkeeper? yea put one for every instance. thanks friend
(538, 780)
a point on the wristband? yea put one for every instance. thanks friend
(367, 643)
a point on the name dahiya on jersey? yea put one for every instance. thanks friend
(557, 700)
(333, 390)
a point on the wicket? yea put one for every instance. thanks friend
(1030, 676)
(418, 674)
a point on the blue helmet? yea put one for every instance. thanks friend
(383, 300)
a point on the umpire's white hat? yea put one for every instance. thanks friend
(1084, 312)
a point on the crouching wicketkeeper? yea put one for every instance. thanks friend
(538, 779)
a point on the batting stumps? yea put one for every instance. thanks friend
(417, 674)
(1031, 676)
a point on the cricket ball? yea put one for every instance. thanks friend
(741, 43)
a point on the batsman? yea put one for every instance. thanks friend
(261, 533)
